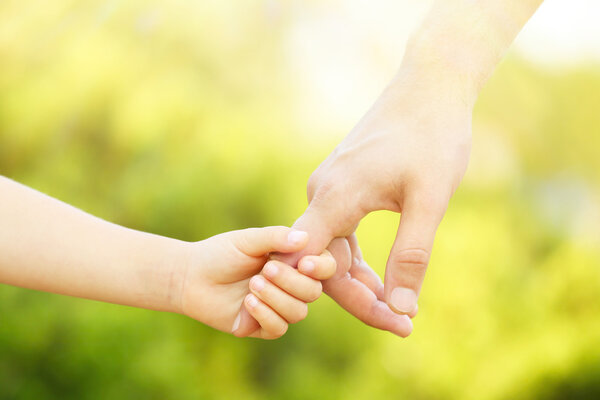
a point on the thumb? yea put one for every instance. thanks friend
(256, 242)
(407, 264)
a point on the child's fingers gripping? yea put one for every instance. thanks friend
(292, 281)
(257, 242)
(289, 307)
(244, 324)
(318, 267)
(271, 323)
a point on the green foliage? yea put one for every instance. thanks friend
(175, 118)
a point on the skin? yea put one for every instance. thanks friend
(50, 246)
(408, 154)
(352, 274)
(224, 272)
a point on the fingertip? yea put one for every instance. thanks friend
(330, 264)
(276, 334)
(315, 292)
(400, 325)
(319, 292)
(414, 312)
(318, 267)
(403, 300)
(404, 328)
(272, 325)
(329, 269)
(270, 270)
(257, 283)
(306, 266)
(251, 301)
(297, 239)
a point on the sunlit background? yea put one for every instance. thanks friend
(190, 118)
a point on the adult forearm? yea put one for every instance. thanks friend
(48, 245)
(460, 42)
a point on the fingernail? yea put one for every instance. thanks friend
(356, 261)
(308, 267)
(296, 237)
(257, 283)
(403, 300)
(252, 301)
(236, 323)
(270, 270)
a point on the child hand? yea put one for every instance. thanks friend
(221, 281)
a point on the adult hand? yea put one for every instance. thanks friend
(410, 151)
(408, 155)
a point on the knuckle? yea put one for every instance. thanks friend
(248, 232)
(241, 240)
(278, 230)
(273, 234)
(280, 331)
(416, 258)
(300, 313)
(315, 292)
(317, 183)
(329, 270)
(312, 181)
(367, 316)
(323, 190)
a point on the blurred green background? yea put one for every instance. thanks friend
(188, 119)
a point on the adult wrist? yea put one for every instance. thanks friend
(436, 70)
(457, 47)
(460, 42)
(425, 94)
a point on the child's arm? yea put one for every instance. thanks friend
(48, 245)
